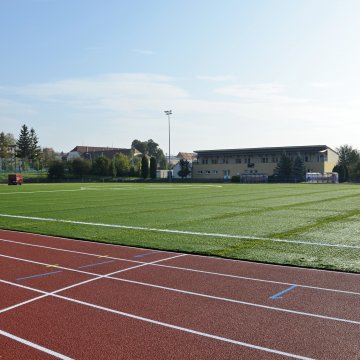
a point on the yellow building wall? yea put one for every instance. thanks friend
(215, 171)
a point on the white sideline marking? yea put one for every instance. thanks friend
(240, 237)
(39, 191)
(172, 267)
(195, 255)
(108, 276)
(166, 325)
(35, 346)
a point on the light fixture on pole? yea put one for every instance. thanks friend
(168, 113)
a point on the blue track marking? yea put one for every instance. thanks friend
(38, 275)
(96, 264)
(278, 295)
(150, 253)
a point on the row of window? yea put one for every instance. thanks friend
(263, 160)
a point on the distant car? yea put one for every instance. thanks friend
(15, 179)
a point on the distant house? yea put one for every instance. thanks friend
(190, 157)
(92, 152)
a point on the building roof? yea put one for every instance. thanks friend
(262, 150)
(186, 156)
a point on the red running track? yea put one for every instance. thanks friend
(70, 299)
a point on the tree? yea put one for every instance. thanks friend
(342, 171)
(139, 145)
(153, 167)
(6, 140)
(34, 149)
(284, 169)
(184, 168)
(56, 170)
(151, 148)
(80, 167)
(144, 167)
(299, 169)
(48, 156)
(101, 166)
(348, 156)
(23, 143)
(122, 164)
(113, 168)
(135, 168)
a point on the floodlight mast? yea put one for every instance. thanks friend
(168, 113)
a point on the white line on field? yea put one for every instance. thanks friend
(194, 233)
(163, 324)
(104, 244)
(33, 345)
(170, 267)
(40, 191)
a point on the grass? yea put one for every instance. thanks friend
(301, 213)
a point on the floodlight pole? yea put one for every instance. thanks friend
(168, 113)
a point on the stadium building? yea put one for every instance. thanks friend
(223, 164)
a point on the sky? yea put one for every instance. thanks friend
(235, 73)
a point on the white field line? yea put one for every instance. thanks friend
(239, 237)
(33, 345)
(39, 191)
(173, 267)
(166, 325)
(104, 244)
(109, 276)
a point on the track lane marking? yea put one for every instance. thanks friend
(34, 346)
(213, 297)
(278, 295)
(39, 275)
(167, 325)
(193, 270)
(172, 231)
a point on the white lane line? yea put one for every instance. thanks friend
(71, 251)
(218, 298)
(171, 326)
(260, 280)
(94, 278)
(35, 346)
(183, 269)
(194, 233)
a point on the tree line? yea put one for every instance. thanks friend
(294, 170)
(25, 153)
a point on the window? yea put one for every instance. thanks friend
(213, 161)
(238, 161)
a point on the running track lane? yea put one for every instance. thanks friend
(164, 302)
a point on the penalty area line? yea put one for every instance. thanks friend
(183, 232)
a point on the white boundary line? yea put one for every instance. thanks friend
(105, 244)
(176, 268)
(166, 325)
(33, 345)
(239, 237)
(109, 276)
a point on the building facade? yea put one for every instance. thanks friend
(223, 164)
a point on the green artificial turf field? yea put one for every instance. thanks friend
(321, 223)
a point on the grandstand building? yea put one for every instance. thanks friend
(223, 164)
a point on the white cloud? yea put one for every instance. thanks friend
(217, 78)
(116, 108)
(143, 51)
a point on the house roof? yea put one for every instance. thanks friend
(186, 156)
(262, 150)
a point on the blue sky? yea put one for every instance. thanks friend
(235, 73)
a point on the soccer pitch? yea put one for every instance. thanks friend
(299, 224)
